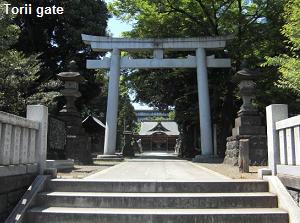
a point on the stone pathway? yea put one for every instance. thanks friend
(157, 167)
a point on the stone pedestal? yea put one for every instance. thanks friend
(78, 148)
(78, 145)
(247, 126)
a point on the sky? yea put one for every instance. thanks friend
(116, 27)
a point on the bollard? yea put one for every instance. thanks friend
(244, 156)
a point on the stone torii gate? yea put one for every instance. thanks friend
(158, 46)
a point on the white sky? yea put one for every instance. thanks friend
(116, 27)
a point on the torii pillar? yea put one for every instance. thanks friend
(204, 105)
(112, 104)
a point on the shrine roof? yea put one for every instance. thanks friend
(150, 127)
(92, 124)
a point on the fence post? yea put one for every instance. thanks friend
(275, 113)
(39, 113)
(244, 156)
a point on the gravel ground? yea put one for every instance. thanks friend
(80, 172)
(232, 171)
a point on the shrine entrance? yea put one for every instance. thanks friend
(158, 135)
(201, 62)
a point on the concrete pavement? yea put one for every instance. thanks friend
(157, 167)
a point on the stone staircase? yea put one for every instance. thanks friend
(91, 201)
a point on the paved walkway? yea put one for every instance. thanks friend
(157, 167)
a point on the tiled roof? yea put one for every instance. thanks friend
(151, 127)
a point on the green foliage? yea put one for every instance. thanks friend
(137, 128)
(289, 64)
(172, 115)
(97, 105)
(8, 31)
(17, 72)
(57, 40)
(126, 115)
(58, 37)
(159, 119)
(292, 27)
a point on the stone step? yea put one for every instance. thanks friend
(228, 186)
(117, 159)
(157, 200)
(113, 215)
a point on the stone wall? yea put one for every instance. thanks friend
(12, 189)
(257, 154)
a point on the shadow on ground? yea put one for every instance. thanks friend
(156, 156)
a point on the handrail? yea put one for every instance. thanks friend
(17, 215)
(288, 123)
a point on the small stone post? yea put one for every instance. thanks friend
(275, 113)
(39, 113)
(244, 156)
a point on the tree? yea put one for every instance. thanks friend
(171, 115)
(255, 26)
(126, 115)
(57, 40)
(17, 71)
(289, 63)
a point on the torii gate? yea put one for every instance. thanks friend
(158, 46)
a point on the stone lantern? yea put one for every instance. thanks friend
(71, 92)
(77, 145)
(247, 89)
(248, 124)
